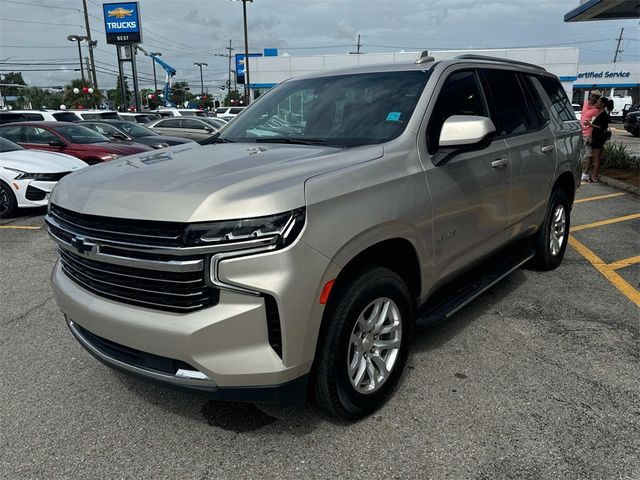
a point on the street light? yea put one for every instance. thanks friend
(79, 38)
(153, 62)
(246, 51)
(199, 64)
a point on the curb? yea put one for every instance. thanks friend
(612, 182)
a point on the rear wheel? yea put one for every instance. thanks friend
(550, 242)
(8, 202)
(365, 344)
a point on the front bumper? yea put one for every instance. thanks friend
(32, 193)
(227, 344)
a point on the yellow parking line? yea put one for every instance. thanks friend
(599, 197)
(577, 228)
(607, 271)
(627, 262)
(19, 227)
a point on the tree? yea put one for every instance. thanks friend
(80, 100)
(36, 97)
(233, 98)
(115, 96)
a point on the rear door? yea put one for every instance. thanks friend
(470, 193)
(194, 129)
(169, 126)
(523, 122)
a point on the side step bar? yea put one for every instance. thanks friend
(452, 297)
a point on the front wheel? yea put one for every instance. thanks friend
(8, 202)
(550, 242)
(365, 344)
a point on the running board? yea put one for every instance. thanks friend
(451, 298)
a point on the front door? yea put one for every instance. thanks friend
(470, 193)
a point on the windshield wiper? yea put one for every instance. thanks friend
(209, 140)
(295, 141)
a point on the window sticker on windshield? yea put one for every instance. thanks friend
(393, 117)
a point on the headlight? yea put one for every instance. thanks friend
(43, 177)
(268, 233)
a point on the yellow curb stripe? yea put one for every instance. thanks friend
(627, 262)
(599, 197)
(577, 228)
(606, 270)
(19, 227)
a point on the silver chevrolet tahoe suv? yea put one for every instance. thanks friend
(294, 254)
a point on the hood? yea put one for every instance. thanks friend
(204, 183)
(35, 161)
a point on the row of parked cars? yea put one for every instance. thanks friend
(38, 148)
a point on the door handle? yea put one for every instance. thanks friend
(547, 149)
(499, 162)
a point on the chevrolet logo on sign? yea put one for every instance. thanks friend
(120, 13)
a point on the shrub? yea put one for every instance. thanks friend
(616, 155)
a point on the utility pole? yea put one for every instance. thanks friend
(230, 48)
(153, 62)
(615, 57)
(358, 46)
(247, 82)
(200, 65)
(92, 45)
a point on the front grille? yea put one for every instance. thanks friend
(132, 262)
(177, 292)
(35, 194)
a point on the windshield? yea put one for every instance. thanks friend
(214, 122)
(78, 134)
(134, 130)
(344, 110)
(8, 146)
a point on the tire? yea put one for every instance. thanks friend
(342, 363)
(8, 202)
(550, 242)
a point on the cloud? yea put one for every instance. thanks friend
(345, 31)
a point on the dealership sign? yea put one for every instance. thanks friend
(122, 22)
(603, 74)
(240, 65)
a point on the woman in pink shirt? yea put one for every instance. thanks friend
(589, 112)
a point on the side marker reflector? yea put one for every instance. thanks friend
(326, 291)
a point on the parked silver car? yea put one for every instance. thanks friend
(295, 257)
(192, 128)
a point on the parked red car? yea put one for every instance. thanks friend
(69, 138)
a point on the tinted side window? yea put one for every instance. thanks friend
(558, 98)
(509, 109)
(38, 135)
(169, 123)
(460, 95)
(66, 117)
(12, 133)
(539, 113)
(90, 116)
(193, 124)
(11, 117)
(33, 116)
(236, 111)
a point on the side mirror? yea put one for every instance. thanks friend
(463, 133)
(56, 142)
(119, 136)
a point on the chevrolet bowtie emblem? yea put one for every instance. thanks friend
(120, 13)
(82, 246)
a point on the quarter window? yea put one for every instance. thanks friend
(509, 109)
(558, 98)
(169, 123)
(460, 95)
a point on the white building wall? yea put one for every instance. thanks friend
(267, 71)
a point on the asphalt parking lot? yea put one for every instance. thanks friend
(537, 379)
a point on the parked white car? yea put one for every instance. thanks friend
(180, 112)
(8, 116)
(228, 112)
(28, 176)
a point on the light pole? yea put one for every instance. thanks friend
(247, 88)
(153, 62)
(78, 38)
(199, 64)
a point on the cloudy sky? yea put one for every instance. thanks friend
(33, 32)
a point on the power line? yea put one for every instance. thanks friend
(41, 5)
(41, 23)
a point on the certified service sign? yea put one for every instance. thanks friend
(122, 22)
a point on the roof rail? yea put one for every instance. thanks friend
(471, 56)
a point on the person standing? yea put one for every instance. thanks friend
(600, 127)
(589, 112)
